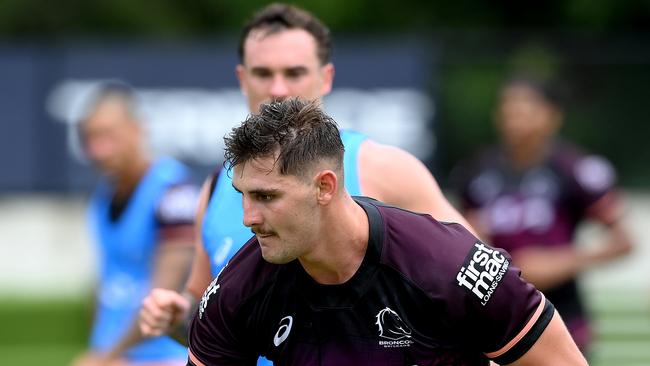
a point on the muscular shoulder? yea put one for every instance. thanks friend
(374, 155)
(393, 175)
(476, 284)
(590, 172)
(177, 204)
(426, 251)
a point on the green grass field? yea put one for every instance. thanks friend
(42, 333)
(622, 324)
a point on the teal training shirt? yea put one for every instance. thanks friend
(126, 250)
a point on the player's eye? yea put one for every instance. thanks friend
(295, 73)
(264, 197)
(261, 73)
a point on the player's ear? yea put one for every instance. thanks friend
(240, 71)
(327, 74)
(327, 185)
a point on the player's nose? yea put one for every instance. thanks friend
(252, 216)
(279, 88)
(98, 149)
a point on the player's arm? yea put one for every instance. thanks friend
(547, 267)
(200, 275)
(554, 347)
(193, 360)
(527, 328)
(218, 334)
(396, 177)
(497, 312)
(166, 311)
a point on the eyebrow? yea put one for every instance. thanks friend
(264, 69)
(296, 69)
(259, 191)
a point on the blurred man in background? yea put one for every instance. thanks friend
(286, 52)
(530, 194)
(142, 216)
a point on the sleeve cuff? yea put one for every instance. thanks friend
(527, 337)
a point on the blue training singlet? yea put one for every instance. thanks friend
(126, 251)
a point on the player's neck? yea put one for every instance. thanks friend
(524, 156)
(342, 244)
(126, 182)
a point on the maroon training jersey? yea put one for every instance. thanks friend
(426, 293)
(542, 206)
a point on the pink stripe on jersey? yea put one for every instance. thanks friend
(195, 360)
(522, 333)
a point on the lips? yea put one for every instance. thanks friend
(263, 234)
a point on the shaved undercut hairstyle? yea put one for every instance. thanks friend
(277, 17)
(296, 132)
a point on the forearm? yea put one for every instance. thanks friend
(180, 328)
(157, 317)
(549, 267)
(128, 340)
(554, 347)
(177, 331)
(617, 243)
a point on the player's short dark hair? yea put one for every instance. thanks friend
(298, 131)
(277, 17)
(548, 88)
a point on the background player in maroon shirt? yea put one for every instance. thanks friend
(529, 195)
(332, 280)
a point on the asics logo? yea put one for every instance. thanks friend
(283, 331)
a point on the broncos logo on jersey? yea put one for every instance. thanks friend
(391, 326)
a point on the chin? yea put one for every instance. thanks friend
(109, 172)
(275, 259)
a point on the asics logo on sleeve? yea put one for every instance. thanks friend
(283, 331)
